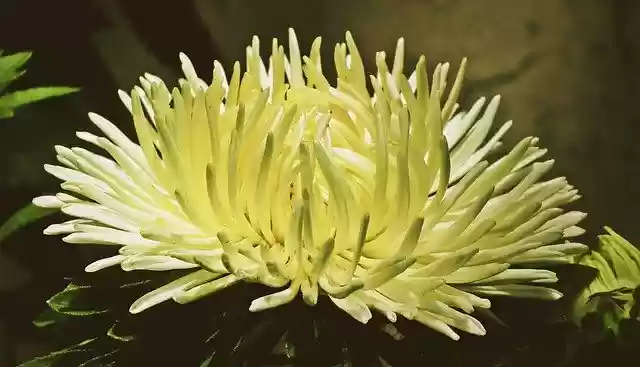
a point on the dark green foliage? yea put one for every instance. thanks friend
(220, 331)
(22, 218)
(60, 355)
(605, 317)
(10, 70)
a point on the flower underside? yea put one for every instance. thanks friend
(276, 176)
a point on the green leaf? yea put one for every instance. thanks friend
(5, 114)
(10, 77)
(9, 66)
(23, 217)
(20, 98)
(207, 362)
(112, 333)
(48, 317)
(10, 71)
(492, 316)
(13, 62)
(52, 359)
(92, 361)
(68, 302)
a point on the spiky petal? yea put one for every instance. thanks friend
(275, 175)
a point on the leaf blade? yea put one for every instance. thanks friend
(22, 218)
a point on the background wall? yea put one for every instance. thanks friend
(567, 70)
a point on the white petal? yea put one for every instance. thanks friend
(99, 214)
(48, 202)
(110, 130)
(197, 292)
(168, 291)
(354, 306)
(155, 263)
(69, 175)
(516, 290)
(455, 129)
(104, 263)
(64, 228)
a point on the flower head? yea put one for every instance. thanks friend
(274, 175)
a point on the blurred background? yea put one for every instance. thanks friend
(568, 71)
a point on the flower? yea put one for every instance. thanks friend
(612, 291)
(278, 177)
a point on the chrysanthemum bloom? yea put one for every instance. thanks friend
(277, 176)
(612, 291)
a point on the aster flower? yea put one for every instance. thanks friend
(274, 175)
(612, 291)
